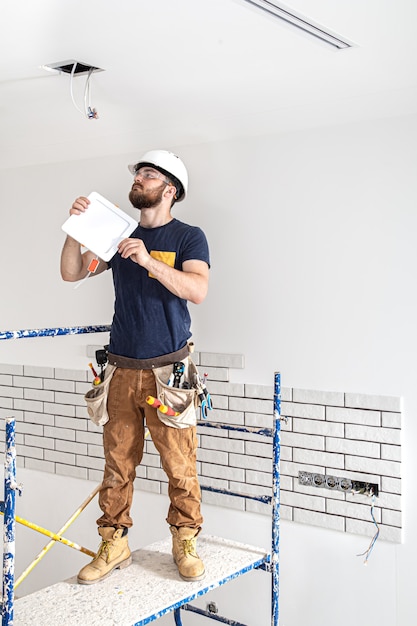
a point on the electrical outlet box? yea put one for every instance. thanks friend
(336, 483)
(367, 489)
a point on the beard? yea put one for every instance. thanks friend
(142, 199)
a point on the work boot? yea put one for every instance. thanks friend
(184, 542)
(113, 553)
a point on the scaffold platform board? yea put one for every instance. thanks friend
(142, 593)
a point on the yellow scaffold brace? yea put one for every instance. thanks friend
(55, 536)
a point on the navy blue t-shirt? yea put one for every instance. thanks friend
(149, 320)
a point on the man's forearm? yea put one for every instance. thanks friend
(190, 284)
(73, 266)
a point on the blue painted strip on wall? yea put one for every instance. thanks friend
(53, 332)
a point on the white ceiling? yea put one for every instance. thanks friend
(180, 72)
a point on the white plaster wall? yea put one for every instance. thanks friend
(313, 271)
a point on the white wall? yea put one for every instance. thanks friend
(313, 266)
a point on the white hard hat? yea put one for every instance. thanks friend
(169, 164)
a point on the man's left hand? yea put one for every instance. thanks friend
(134, 249)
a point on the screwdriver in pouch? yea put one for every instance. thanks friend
(164, 408)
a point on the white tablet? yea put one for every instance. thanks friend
(101, 227)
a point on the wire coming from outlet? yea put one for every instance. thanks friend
(367, 552)
(335, 483)
(89, 112)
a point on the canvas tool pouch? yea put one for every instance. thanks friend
(96, 398)
(184, 401)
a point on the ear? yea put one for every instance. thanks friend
(170, 191)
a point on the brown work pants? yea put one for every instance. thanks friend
(123, 440)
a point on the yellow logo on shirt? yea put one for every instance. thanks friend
(165, 257)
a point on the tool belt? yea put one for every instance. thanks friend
(149, 364)
(179, 388)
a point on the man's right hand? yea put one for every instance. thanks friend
(79, 205)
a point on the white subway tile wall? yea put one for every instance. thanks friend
(348, 435)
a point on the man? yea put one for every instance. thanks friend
(161, 266)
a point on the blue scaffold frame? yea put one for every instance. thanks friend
(270, 562)
(10, 485)
(10, 488)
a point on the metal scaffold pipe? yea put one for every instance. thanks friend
(52, 332)
(59, 534)
(10, 487)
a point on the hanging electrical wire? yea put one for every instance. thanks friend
(89, 112)
(368, 552)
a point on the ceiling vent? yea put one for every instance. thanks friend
(76, 68)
